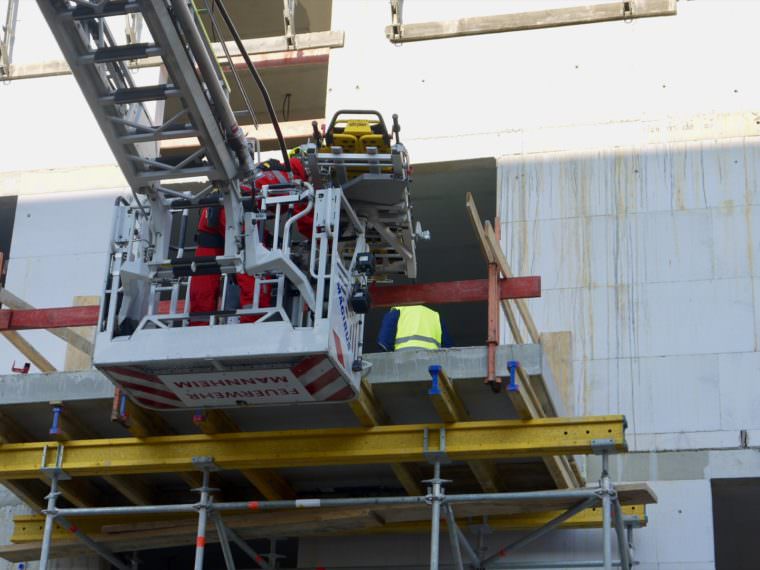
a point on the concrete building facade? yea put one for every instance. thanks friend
(625, 161)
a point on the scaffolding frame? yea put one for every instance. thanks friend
(465, 555)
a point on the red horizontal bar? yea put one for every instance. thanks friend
(382, 296)
(452, 292)
(59, 317)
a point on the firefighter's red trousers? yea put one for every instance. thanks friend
(205, 289)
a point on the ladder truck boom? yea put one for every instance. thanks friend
(300, 338)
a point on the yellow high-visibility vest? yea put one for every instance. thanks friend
(418, 327)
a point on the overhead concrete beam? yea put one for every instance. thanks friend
(265, 52)
(534, 20)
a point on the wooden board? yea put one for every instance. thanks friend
(77, 359)
(123, 533)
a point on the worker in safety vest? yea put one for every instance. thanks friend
(414, 326)
(205, 289)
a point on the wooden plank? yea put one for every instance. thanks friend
(447, 403)
(477, 224)
(124, 533)
(264, 52)
(366, 407)
(443, 292)
(524, 400)
(557, 347)
(539, 19)
(135, 489)
(29, 352)
(144, 423)
(67, 335)
(76, 359)
(85, 316)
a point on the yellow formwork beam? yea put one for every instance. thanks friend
(29, 528)
(317, 447)
(590, 518)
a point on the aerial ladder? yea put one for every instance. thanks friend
(304, 344)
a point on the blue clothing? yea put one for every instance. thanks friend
(386, 338)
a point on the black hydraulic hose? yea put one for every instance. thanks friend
(257, 79)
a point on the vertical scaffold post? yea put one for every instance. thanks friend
(50, 512)
(436, 494)
(206, 465)
(606, 488)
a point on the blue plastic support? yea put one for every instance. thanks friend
(512, 365)
(55, 429)
(435, 389)
(123, 406)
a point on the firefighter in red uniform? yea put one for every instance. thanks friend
(204, 292)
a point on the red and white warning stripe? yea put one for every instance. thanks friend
(322, 379)
(146, 389)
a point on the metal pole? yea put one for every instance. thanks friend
(102, 551)
(200, 540)
(252, 554)
(606, 512)
(221, 530)
(451, 523)
(539, 496)
(560, 565)
(468, 549)
(435, 526)
(50, 514)
(623, 546)
(538, 533)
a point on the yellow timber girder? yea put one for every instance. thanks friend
(464, 441)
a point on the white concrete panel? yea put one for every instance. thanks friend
(686, 441)
(739, 390)
(63, 224)
(653, 247)
(680, 525)
(557, 250)
(556, 185)
(53, 281)
(610, 389)
(677, 394)
(686, 566)
(661, 319)
(578, 84)
(50, 281)
(50, 121)
(562, 310)
(724, 176)
(737, 463)
(734, 232)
